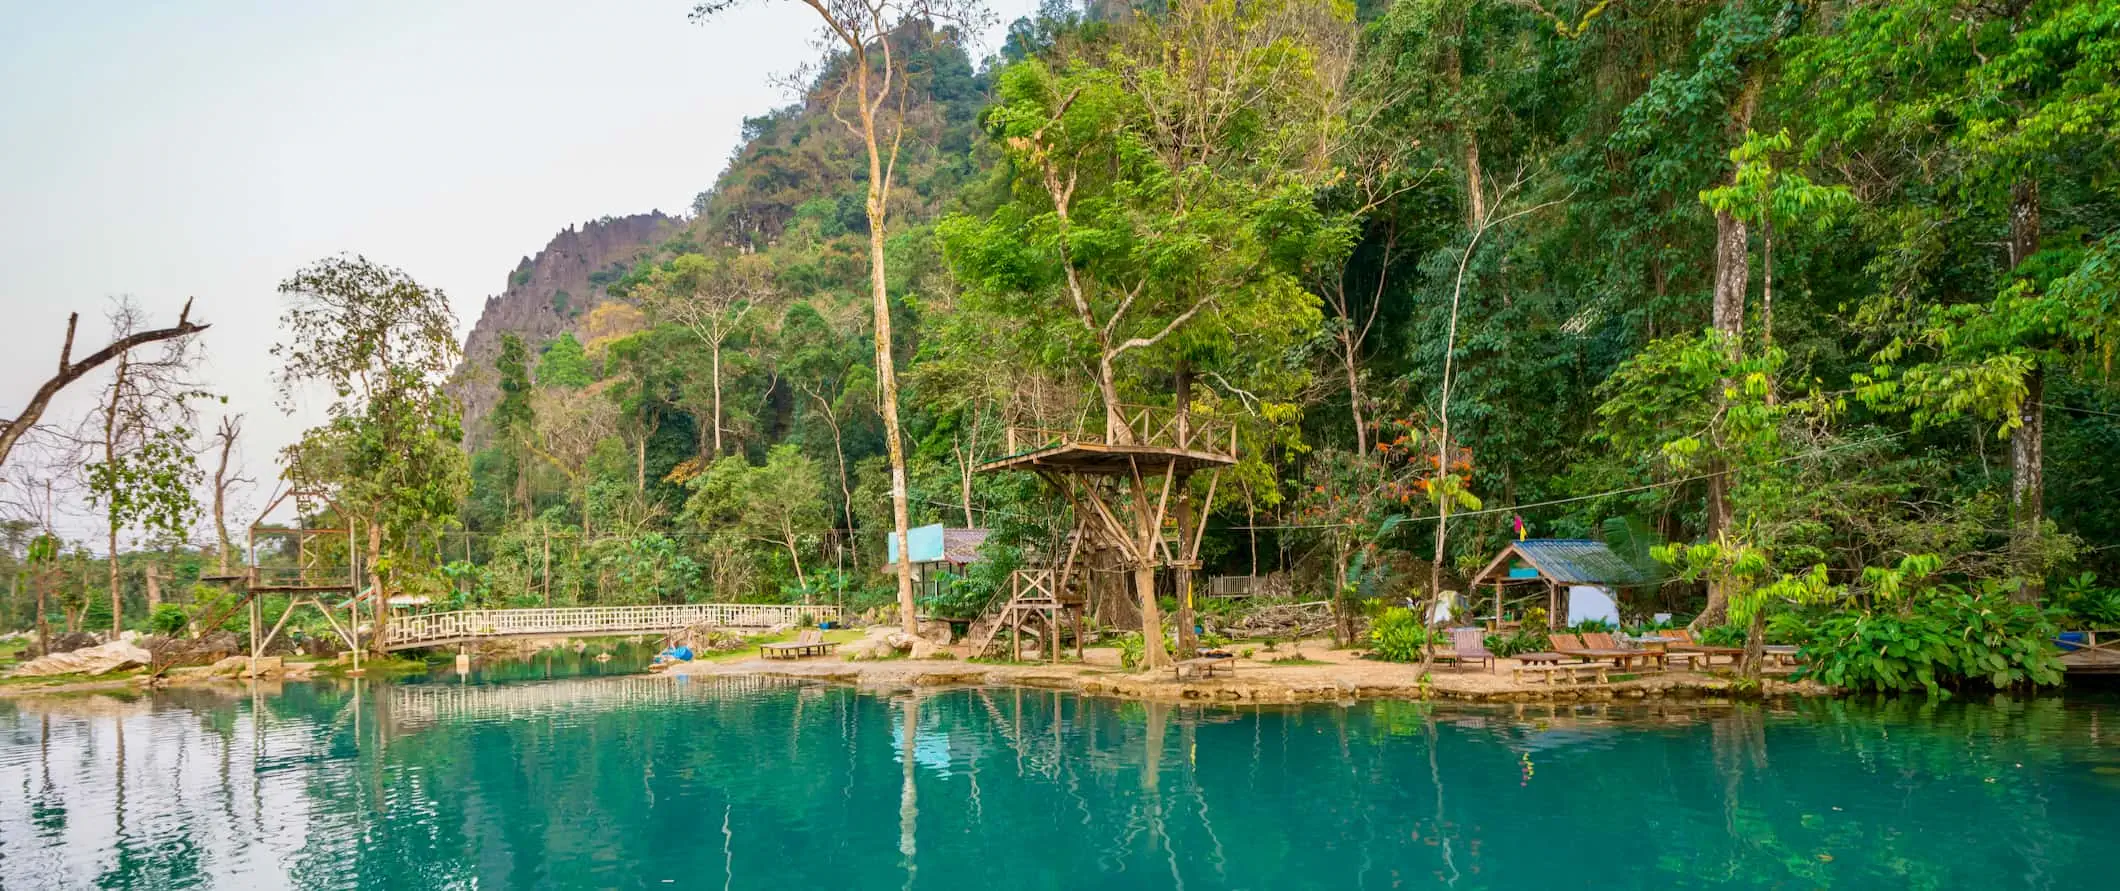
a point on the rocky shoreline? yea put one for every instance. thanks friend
(1254, 683)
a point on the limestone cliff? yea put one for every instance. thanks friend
(544, 296)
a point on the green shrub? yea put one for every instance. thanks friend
(168, 620)
(1949, 639)
(1592, 626)
(1519, 642)
(1131, 648)
(1723, 636)
(1398, 635)
(2086, 605)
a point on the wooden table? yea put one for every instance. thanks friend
(1540, 658)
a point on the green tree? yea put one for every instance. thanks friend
(781, 503)
(2000, 118)
(389, 449)
(564, 364)
(514, 420)
(144, 470)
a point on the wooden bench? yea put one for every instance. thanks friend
(808, 643)
(1571, 673)
(1204, 667)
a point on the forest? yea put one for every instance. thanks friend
(1807, 309)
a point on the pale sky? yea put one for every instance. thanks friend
(209, 149)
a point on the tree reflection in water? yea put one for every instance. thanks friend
(630, 781)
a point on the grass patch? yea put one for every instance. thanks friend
(1297, 660)
(751, 645)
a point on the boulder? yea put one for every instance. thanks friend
(927, 649)
(96, 660)
(264, 667)
(229, 667)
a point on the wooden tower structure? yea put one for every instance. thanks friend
(319, 562)
(1129, 487)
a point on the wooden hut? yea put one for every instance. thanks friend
(1554, 565)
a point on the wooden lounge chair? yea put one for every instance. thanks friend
(808, 643)
(1597, 648)
(1470, 645)
(1686, 644)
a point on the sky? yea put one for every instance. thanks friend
(209, 149)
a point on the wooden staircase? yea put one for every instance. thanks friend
(1032, 603)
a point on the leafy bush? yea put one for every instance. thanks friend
(1952, 638)
(2085, 604)
(1519, 642)
(1131, 648)
(1723, 636)
(168, 620)
(1399, 636)
(1593, 626)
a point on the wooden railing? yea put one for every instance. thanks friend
(1144, 425)
(430, 628)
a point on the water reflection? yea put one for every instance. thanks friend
(744, 782)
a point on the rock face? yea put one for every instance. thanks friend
(546, 294)
(103, 659)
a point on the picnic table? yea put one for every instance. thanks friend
(1540, 658)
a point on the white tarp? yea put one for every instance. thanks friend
(1587, 602)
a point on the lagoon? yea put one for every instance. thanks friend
(737, 782)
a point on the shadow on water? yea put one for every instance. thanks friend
(742, 782)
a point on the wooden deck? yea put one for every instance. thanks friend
(1098, 458)
(443, 629)
(2099, 653)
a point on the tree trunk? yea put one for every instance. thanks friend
(1732, 278)
(1755, 644)
(1153, 656)
(795, 557)
(1351, 363)
(44, 622)
(1116, 431)
(110, 463)
(154, 590)
(717, 398)
(1181, 574)
(2027, 442)
(1342, 624)
(2027, 485)
(375, 583)
(886, 368)
(220, 500)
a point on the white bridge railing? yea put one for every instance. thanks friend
(427, 628)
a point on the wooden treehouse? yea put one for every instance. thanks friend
(1134, 514)
(307, 563)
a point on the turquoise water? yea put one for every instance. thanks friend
(636, 782)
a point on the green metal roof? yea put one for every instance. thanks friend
(1579, 561)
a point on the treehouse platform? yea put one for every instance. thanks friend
(1099, 459)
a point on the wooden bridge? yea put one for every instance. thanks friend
(462, 626)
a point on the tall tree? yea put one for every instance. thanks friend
(875, 87)
(224, 480)
(144, 468)
(382, 343)
(711, 298)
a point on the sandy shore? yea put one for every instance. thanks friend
(1337, 675)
